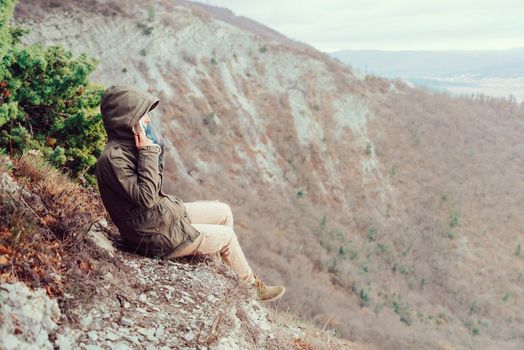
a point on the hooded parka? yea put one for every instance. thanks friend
(151, 222)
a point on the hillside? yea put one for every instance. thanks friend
(391, 213)
(86, 292)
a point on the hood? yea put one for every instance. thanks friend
(121, 107)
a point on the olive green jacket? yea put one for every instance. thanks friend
(151, 222)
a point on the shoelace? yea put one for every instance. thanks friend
(259, 286)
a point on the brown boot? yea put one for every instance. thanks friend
(267, 293)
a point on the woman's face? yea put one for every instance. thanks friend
(145, 119)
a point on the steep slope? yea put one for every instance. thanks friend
(392, 214)
(113, 299)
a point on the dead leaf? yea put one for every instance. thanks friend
(4, 260)
(5, 249)
(6, 277)
(85, 266)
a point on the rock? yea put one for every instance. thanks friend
(189, 336)
(226, 343)
(121, 346)
(9, 184)
(92, 347)
(9, 342)
(132, 338)
(86, 320)
(93, 336)
(142, 298)
(211, 298)
(124, 321)
(111, 336)
(160, 331)
(64, 341)
(98, 237)
(150, 334)
(161, 315)
(35, 316)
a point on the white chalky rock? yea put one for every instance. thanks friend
(34, 313)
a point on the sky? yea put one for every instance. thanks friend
(332, 25)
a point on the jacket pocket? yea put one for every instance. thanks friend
(147, 233)
(178, 206)
(153, 222)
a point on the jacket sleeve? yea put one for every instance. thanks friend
(140, 183)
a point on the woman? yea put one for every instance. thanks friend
(152, 223)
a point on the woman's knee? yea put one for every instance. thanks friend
(215, 238)
(227, 214)
(230, 235)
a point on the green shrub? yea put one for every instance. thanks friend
(323, 222)
(454, 218)
(47, 102)
(146, 30)
(473, 308)
(364, 298)
(383, 248)
(393, 170)
(403, 312)
(368, 149)
(372, 234)
(6, 35)
(333, 266)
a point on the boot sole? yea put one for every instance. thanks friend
(275, 297)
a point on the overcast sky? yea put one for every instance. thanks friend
(331, 25)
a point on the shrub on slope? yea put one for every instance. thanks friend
(47, 102)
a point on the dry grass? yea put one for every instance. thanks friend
(72, 208)
(313, 337)
(43, 234)
(28, 249)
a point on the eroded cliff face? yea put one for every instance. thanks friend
(387, 210)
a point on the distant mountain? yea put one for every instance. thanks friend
(406, 64)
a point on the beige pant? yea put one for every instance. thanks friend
(214, 219)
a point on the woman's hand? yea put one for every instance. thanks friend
(140, 139)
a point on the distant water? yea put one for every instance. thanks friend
(469, 85)
(497, 73)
